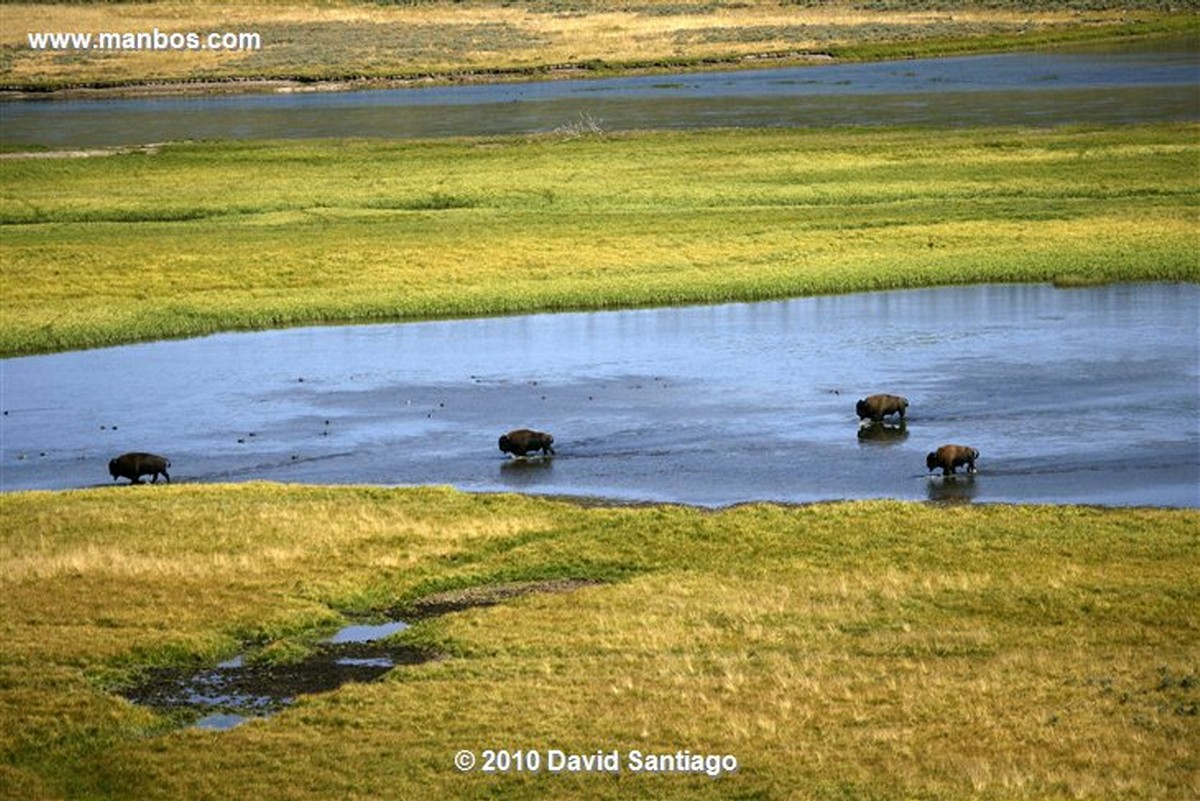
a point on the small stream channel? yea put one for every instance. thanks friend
(239, 688)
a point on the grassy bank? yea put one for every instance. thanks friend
(857, 650)
(487, 40)
(193, 238)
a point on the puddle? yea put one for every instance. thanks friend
(219, 721)
(239, 689)
(360, 634)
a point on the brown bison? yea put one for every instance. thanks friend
(949, 457)
(877, 407)
(135, 465)
(522, 441)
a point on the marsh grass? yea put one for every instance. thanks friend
(339, 41)
(178, 241)
(874, 649)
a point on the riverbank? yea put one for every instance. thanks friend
(175, 241)
(364, 45)
(847, 649)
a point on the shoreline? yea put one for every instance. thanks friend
(358, 83)
(840, 53)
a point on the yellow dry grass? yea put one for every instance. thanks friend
(348, 39)
(864, 650)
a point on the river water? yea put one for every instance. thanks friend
(1082, 395)
(1116, 84)
(1086, 395)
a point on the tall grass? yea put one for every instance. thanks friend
(865, 650)
(203, 237)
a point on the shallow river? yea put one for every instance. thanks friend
(1151, 82)
(1083, 395)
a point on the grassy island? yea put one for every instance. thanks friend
(192, 238)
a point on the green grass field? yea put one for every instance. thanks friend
(873, 650)
(850, 650)
(194, 238)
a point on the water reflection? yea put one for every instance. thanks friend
(881, 433)
(526, 474)
(952, 489)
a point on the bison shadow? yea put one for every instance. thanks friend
(880, 433)
(952, 488)
(524, 471)
(523, 464)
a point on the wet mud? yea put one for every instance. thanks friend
(489, 595)
(228, 694)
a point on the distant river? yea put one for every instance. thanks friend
(1114, 85)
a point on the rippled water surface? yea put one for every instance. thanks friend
(1117, 84)
(1082, 395)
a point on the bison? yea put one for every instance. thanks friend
(135, 465)
(877, 407)
(523, 441)
(949, 457)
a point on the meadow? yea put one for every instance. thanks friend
(191, 238)
(342, 41)
(866, 650)
(847, 650)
